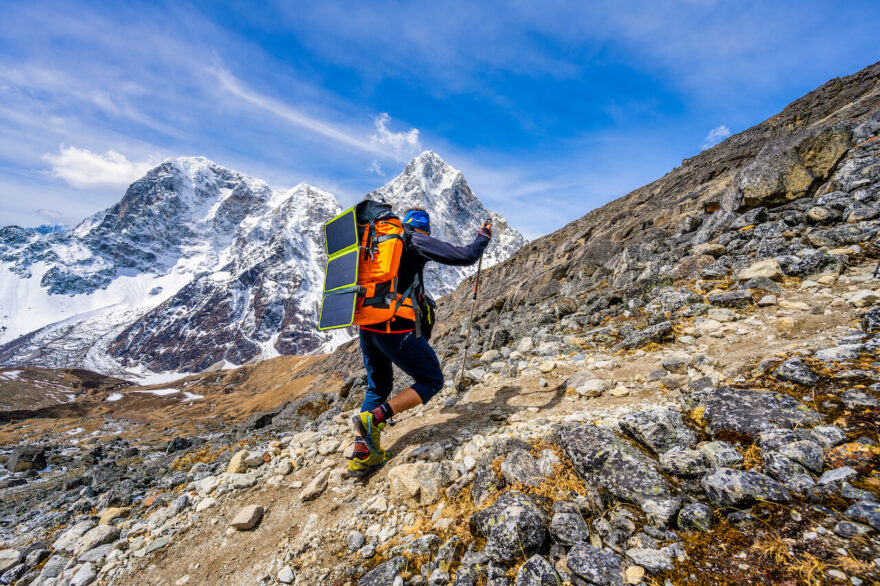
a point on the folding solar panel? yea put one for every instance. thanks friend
(341, 272)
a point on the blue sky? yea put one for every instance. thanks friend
(549, 108)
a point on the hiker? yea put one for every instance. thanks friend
(397, 342)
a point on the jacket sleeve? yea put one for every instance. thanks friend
(449, 254)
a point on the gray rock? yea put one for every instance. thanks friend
(749, 412)
(870, 321)
(53, 567)
(695, 517)
(26, 458)
(385, 573)
(773, 439)
(355, 540)
(486, 481)
(422, 546)
(286, 575)
(85, 575)
(865, 512)
(513, 524)
(569, 528)
(848, 530)
(837, 475)
(247, 518)
(639, 338)
(738, 299)
(520, 466)
(721, 454)
(806, 453)
(537, 571)
(658, 429)
(9, 558)
(97, 554)
(595, 565)
(854, 398)
(604, 460)
(729, 487)
(844, 353)
(653, 560)
(684, 462)
(96, 536)
(791, 474)
(13, 574)
(794, 370)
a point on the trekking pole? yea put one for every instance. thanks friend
(467, 340)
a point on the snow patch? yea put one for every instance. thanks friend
(160, 392)
(113, 397)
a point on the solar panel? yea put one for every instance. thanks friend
(341, 272)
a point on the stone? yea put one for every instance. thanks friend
(96, 555)
(247, 518)
(423, 546)
(870, 321)
(525, 345)
(520, 466)
(767, 300)
(486, 481)
(791, 474)
(385, 573)
(86, 574)
(768, 268)
(420, 483)
(729, 487)
(709, 248)
(317, 485)
(658, 429)
(865, 512)
(355, 540)
(254, 460)
(96, 536)
(739, 299)
(695, 517)
(634, 574)
(795, 371)
(844, 353)
(653, 560)
(286, 575)
(748, 412)
(569, 528)
(863, 298)
(837, 476)
(854, 398)
(856, 455)
(537, 571)
(241, 481)
(68, 540)
(9, 558)
(605, 461)
(828, 436)
(111, 514)
(721, 454)
(512, 525)
(13, 574)
(205, 503)
(597, 566)
(237, 463)
(639, 338)
(684, 462)
(26, 458)
(807, 453)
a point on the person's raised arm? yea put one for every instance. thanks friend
(449, 254)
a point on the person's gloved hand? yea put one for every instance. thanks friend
(486, 229)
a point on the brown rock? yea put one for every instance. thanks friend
(855, 455)
(248, 518)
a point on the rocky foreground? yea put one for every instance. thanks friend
(696, 406)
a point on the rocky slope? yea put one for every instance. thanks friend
(197, 266)
(689, 396)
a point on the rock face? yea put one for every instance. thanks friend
(605, 461)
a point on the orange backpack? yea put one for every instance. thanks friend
(382, 243)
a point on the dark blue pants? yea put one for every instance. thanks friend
(412, 355)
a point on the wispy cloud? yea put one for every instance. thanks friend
(716, 135)
(404, 145)
(83, 169)
(375, 168)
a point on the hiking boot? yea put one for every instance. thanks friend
(364, 466)
(364, 426)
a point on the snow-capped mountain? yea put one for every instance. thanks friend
(456, 214)
(200, 265)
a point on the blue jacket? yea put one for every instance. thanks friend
(423, 249)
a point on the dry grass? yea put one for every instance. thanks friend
(752, 458)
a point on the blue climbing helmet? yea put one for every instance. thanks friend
(418, 219)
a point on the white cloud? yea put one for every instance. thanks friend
(83, 169)
(716, 135)
(404, 145)
(375, 168)
(52, 217)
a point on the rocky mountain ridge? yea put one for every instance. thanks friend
(197, 266)
(686, 393)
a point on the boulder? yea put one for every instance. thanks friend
(653, 560)
(569, 528)
(96, 536)
(520, 466)
(604, 460)
(684, 462)
(237, 463)
(486, 481)
(695, 517)
(720, 454)
(512, 525)
(748, 412)
(791, 474)
(863, 298)
(641, 337)
(795, 371)
(806, 453)
(247, 518)
(385, 573)
(768, 268)
(26, 458)
(729, 487)
(845, 353)
(865, 512)
(420, 483)
(597, 566)
(658, 429)
(738, 299)
(537, 571)
(9, 558)
(870, 321)
(317, 485)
